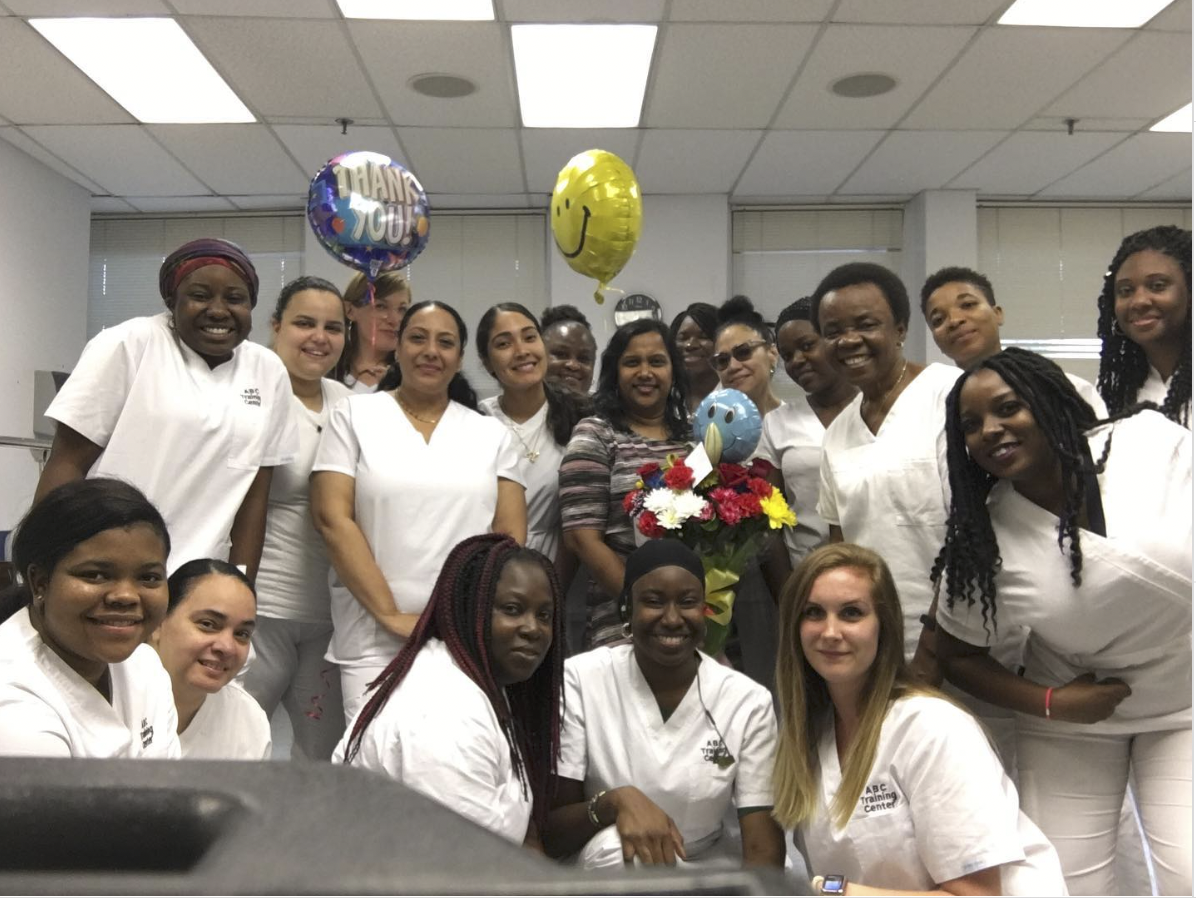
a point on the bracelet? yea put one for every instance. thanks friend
(1047, 702)
(592, 809)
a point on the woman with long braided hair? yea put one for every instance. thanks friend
(1145, 324)
(1080, 534)
(469, 711)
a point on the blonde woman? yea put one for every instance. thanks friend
(890, 788)
(372, 334)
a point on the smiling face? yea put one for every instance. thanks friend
(645, 376)
(311, 335)
(695, 347)
(804, 354)
(515, 352)
(861, 335)
(212, 313)
(103, 599)
(753, 376)
(840, 630)
(520, 621)
(378, 322)
(1001, 434)
(429, 352)
(1151, 299)
(204, 642)
(668, 617)
(964, 326)
(571, 355)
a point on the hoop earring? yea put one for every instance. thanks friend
(626, 629)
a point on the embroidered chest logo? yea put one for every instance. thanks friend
(715, 752)
(147, 733)
(252, 396)
(879, 797)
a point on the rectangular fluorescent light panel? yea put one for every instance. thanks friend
(420, 10)
(149, 66)
(582, 76)
(1180, 121)
(1083, 13)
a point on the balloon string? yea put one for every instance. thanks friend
(598, 294)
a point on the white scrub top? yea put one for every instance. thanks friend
(543, 507)
(937, 806)
(1154, 389)
(414, 501)
(438, 734)
(792, 441)
(229, 726)
(292, 580)
(48, 710)
(190, 437)
(890, 491)
(1132, 616)
(1088, 393)
(613, 735)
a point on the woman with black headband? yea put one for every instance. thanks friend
(658, 739)
(179, 405)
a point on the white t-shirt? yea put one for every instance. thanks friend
(792, 441)
(292, 581)
(1088, 393)
(48, 710)
(613, 735)
(438, 734)
(543, 506)
(190, 437)
(229, 726)
(890, 491)
(1132, 616)
(414, 501)
(937, 806)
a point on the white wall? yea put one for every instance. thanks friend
(44, 235)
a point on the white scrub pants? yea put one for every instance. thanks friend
(289, 667)
(355, 683)
(1073, 785)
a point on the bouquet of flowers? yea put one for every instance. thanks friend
(725, 517)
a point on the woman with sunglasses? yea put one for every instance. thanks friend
(745, 353)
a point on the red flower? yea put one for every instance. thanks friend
(729, 512)
(761, 467)
(749, 505)
(649, 526)
(629, 501)
(707, 512)
(721, 494)
(761, 488)
(648, 470)
(732, 475)
(679, 477)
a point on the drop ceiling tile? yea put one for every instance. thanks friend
(1137, 164)
(275, 9)
(1123, 125)
(445, 201)
(287, 202)
(1132, 83)
(679, 161)
(395, 52)
(1006, 76)
(1176, 17)
(749, 10)
(180, 203)
(580, 11)
(914, 57)
(108, 205)
(805, 162)
(1030, 160)
(702, 74)
(45, 157)
(465, 160)
(123, 158)
(547, 150)
(38, 85)
(912, 161)
(314, 145)
(287, 67)
(919, 12)
(241, 159)
(40, 8)
(1177, 188)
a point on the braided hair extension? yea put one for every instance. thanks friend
(1123, 364)
(459, 613)
(970, 555)
(798, 310)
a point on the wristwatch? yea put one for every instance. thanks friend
(834, 884)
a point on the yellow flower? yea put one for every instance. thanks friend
(778, 510)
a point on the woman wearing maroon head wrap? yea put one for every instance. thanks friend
(181, 406)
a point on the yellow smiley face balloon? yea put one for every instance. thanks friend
(596, 214)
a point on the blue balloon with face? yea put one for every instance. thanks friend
(728, 424)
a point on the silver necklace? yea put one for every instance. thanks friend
(530, 453)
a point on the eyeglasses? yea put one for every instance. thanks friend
(742, 352)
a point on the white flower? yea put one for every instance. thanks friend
(673, 508)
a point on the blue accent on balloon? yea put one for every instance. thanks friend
(737, 420)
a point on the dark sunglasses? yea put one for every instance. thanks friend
(742, 352)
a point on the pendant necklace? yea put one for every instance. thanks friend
(529, 452)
